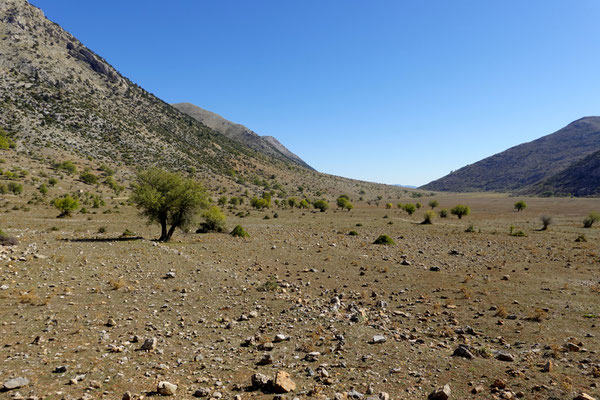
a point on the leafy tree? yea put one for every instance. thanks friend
(322, 205)
(520, 205)
(443, 213)
(259, 204)
(590, 219)
(433, 204)
(214, 220)
(410, 208)
(66, 205)
(460, 210)
(343, 202)
(168, 199)
(388, 206)
(428, 217)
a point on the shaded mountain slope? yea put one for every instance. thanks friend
(579, 179)
(527, 164)
(267, 145)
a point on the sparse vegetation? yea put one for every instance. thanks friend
(546, 221)
(520, 205)
(321, 205)
(410, 208)
(591, 219)
(433, 204)
(239, 231)
(384, 239)
(214, 221)
(428, 217)
(443, 213)
(66, 205)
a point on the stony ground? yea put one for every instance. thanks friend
(91, 315)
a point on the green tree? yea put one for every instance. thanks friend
(520, 205)
(433, 204)
(388, 206)
(168, 199)
(66, 205)
(322, 205)
(460, 210)
(410, 208)
(343, 202)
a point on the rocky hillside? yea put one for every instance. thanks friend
(524, 167)
(580, 179)
(266, 145)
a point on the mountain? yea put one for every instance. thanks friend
(582, 178)
(61, 101)
(267, 145)
(524, 167)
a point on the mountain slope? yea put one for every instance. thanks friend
(527, 164)
(582, 178)
(263, 144)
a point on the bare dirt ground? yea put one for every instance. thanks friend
(354, 319)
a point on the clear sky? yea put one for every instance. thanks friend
(386, 91)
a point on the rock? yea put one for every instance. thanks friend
(434, 269)
(378, 339)
(499, 384)
(280, 338)
(267, 346)
(15, 383)
(165, 388)
(127, 396)
(405, 262)
(312, 356)
(584, 396)
(266, 360)
(477, 389)
(505, 356)
(283, 383)
(463, 351)
(353, 394)
(384, 396)
(149, 344)
(60, 370)
(259, 381)
(111, 322)
(573, 347)
(548, 367)
(202, 392)
(170, 275)
(441, 393)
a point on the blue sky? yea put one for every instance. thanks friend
(385, 91)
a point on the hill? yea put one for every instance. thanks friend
(522, 167)
(579, 179)
(266, 145)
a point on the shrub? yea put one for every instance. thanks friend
(127, 233)
(222, 200)
(460, 210)
(6, 240)
(352, 233)
(410, 208)
(470, 229)
(259, 204)
(238, 231)
(52, 181)
(384, 239)
(66, 205)
(581, 239)
(214, 220)
(433, 204)
(304, 203)
(169, 199)
(388, 206)
(418, 205)
(546, 221)
(322, 205)
(43, 188)
(428, 217)
(590, 219)
(6, 140)
(15, 188)
(102, 229)
(293, 202)
(520, 205)
(443, 213)
(67, 166)
(400, 206)
(88, 178)
(343, 202)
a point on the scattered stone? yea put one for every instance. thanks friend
(463, 351)
(280, 338)
(127, 396)
(505, 356)
(283, 383)
(434, 269)
(584, 396)
(266, 360)
(353, 394)
(548, 367)
(111, 322)
(378, 339)
(60, 370)
(15, 383)
(149, 344)
(202, 392)
(170, 275)
(573, 347)
(259, 381)
(441, 393)
(499, 384)
(165, 388)
(477, 389)
(312, 356)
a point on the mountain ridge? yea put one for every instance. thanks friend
(522, 167)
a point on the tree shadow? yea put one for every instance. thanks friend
(100, 240)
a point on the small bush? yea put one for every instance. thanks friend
(352, 233)
(269, 286)
(102, 229)
(546, 221)
(581, 239)
(67, 166)
(214, 221)
(15, 188)
(520, 205)
(388, 206)
(238, 231)
(52, 181)
(127, 233)
(322, 205)
(88, 178)
(384, 239)
(43, 189)
(428, 217)
(460, 210)
(410, 208)
(470, 229)
(66, 205)
(443, 213)
(433, 204)
(590, 219)
(6, 240)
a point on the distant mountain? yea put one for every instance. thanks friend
(552, 159)
(579, 179)
(407, 186)
(266, 145)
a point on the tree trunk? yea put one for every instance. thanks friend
(163, 231)
(170, 233)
